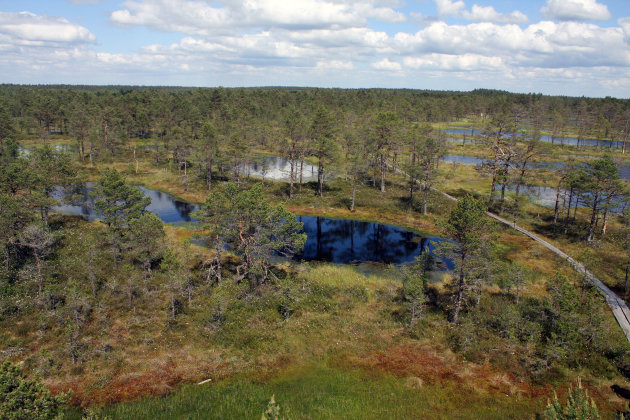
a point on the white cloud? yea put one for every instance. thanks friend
(334, 65)
(544, 44)
(625, 26)
(449, 62)
(575, 10)
(457, 8)
(196, 17)
(386, 64)
(26, 28)
(449, 7)
(489, 14)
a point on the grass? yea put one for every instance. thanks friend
(322, 392)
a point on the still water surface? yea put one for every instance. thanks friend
(335, 240)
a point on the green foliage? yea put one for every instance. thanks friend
(466, 225)
(52, 170)
(541, 336)
(579, 406)
(145, 238)
(253, 228)
(117, 202)
(414, 280)
(322, 142)
(23, 399)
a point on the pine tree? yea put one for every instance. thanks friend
(26, 399)
(117, 202)
(466, 225)
(579, 406)
(253, 229)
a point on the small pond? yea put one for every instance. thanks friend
(278, 169)
(624, 168)
(546, 196)
(350, 241)
(168, 208)
(335, 240)
(572, 141)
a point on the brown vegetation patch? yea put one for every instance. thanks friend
(441, 367)
(156, 382)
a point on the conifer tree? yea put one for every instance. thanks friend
(466, 225)
(117, 202)
(579, 406)
(21, 398)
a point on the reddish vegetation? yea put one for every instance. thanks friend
(437, 368)
(156, 382)
(161, 380)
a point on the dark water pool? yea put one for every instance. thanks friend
(350, 241)
(168, 208)
(335, 240)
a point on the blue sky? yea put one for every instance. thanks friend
(567, 47)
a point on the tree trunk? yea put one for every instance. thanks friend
(494, 184)
(320, 179)
(354, 191)
(566, 222)
(594, 214)
(460, 290)
(425, 196)
(556, 209)
(521, 178)
(605, 220)
(291, 175)
(383, 169)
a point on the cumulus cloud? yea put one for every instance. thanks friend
(625, 26)
(544, 44)
(457, 8)
(195, 17)
(449, 7)
(386, 64)
(26, 28)
(451, 62)
(334, 65)
(489, 14)
(575, 10)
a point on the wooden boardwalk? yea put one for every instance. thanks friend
(617, 305)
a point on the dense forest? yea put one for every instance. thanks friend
(122, 304)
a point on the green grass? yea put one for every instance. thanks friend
(321, 392)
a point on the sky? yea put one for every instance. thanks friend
(558, 47)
